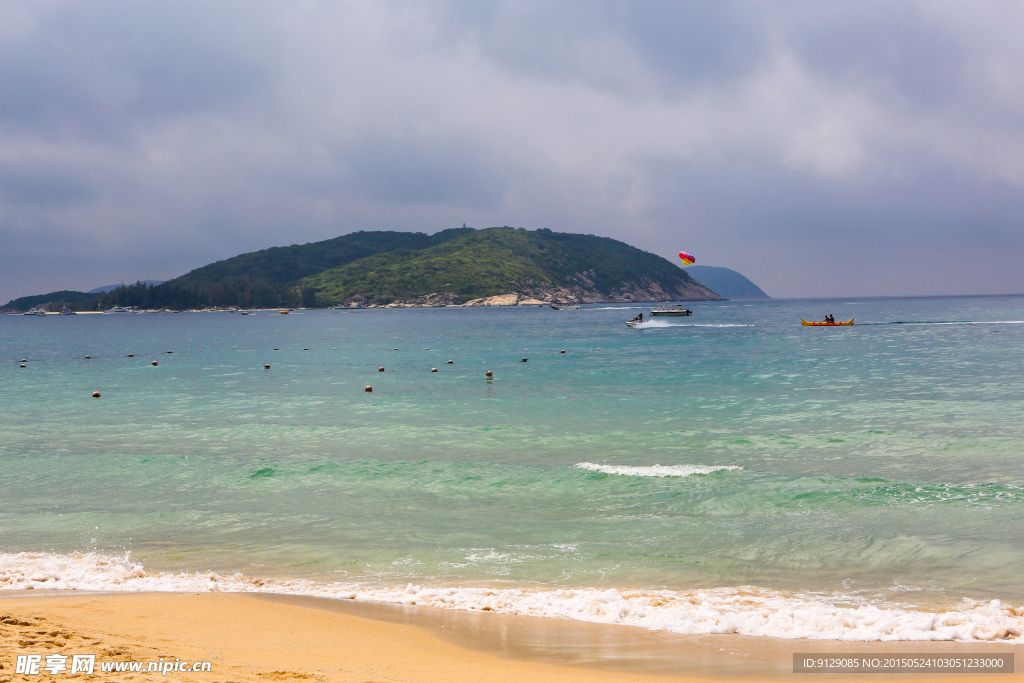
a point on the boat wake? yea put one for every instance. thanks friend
(947, 322)
(656, 323)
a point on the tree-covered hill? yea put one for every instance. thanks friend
(53, 300)
(400, 268)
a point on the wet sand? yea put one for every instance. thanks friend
(249, 637)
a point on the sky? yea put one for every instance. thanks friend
(821, 148)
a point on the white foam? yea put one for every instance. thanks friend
(655, 470)
(743, 610)
(658, 324)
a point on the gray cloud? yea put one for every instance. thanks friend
(142, 139)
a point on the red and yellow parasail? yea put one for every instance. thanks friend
(687, 259)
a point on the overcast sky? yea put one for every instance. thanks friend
(820, 148)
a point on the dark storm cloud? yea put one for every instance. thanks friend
(141, 139)
(86, 70)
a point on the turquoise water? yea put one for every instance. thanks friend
(882, 460)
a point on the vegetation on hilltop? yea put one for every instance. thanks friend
(291, 264)
(498, 261)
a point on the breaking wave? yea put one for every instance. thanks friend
(744, 610)
(655, 470)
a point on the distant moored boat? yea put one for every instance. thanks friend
(671, 310)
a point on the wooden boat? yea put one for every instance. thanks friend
(808, 323)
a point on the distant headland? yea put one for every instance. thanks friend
(456, 267)
(726, 282)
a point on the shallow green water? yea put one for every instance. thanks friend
(884, 459)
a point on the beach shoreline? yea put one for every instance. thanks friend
(258, 637)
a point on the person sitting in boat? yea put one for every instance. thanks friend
(831, 318)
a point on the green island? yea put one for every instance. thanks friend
(460, 266)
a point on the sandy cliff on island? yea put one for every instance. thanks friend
(629, 292)
(583, 291)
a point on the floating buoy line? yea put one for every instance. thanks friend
(489, 374)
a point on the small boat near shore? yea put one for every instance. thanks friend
(120, 309)
(671, 310)
(808, 323)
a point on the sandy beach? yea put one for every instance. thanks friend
(276, 638)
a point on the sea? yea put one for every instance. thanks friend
(728, 472)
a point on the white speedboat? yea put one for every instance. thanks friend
(120, 309)
(35, 311)
(671, 310)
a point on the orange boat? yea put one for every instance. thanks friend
(808, 323)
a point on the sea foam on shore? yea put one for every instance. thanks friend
(743, 610)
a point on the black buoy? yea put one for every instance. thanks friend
(154, 363)
(433, 369)
(562, 351)
(524, 360)
(451, 362)
(380, 369)
(22, 365)
(266, 366)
